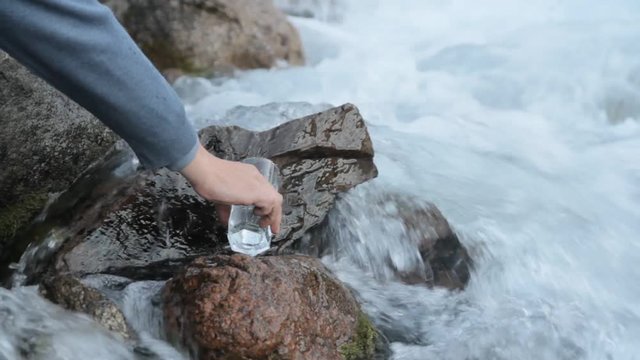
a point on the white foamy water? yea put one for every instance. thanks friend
(35, 329)
(519, 119)
(32, 328)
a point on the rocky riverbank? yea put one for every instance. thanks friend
(159, 229)
(104, 226)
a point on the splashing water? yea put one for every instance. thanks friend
(32, 328)
(520, 120)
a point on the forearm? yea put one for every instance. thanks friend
(79, 47)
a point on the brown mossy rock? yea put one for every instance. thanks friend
(70, 293)
(204, 36)
(162, 223)
(274, 307)
(46, 141)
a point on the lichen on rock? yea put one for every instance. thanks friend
(363, 344)
(18, 214)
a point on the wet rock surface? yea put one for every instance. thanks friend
(393, 237)
(319, 156)
(203, 36)
(161, 224)
(273, 307)
(46, 141)
(72, 294)
(163, 219)
(447, 262)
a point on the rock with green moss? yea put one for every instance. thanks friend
(274, 307)
(368, 342)
(46, 140)
(14, 216)
(210, 36)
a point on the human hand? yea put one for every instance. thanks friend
(233, 183)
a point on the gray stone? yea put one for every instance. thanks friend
(203, 36)
(319, 156)
(46, 141)
(164, 224)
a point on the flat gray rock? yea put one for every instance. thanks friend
(165, 224)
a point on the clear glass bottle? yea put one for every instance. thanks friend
(245, 234)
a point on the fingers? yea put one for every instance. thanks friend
(223, 212)
(263, 211)
(271, 212)
(232, 183)
(277, 218)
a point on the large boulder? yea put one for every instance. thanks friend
(203, 36)
(163, 223)
(46, 141)
(274, 307)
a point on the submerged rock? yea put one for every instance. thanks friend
(274, 307)
(443, 255)
(202, 36)
(72, 294)
(393, 237)
(164, 224)
(46, 141)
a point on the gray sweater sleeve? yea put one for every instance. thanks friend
(80, 48)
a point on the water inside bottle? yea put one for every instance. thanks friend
(245, 235)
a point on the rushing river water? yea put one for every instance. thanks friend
(519, 119)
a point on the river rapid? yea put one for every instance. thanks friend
(520, 120)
